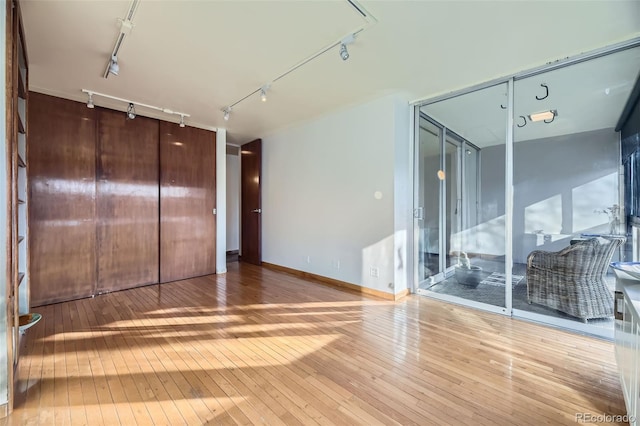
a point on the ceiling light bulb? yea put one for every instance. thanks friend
(182, 121)
(544, 115)
(226, 114)
(263, 95)
(344, 53)
(131, 112)
(114, 68)
(90, 101)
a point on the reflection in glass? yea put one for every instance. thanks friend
(566, 171)
(466, 208)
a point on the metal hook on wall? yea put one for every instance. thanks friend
(502, 106)
(546, 88)
(524, 121)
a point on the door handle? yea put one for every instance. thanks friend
(256, 210)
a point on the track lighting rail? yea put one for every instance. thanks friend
(344, 54)
(92, 94)
(126, 25)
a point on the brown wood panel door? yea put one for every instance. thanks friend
(127, 201)
(251, 202)
(62, 237)
(187, 200)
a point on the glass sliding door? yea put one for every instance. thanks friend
(526, 169)
(453, 186)
(428, 198)
(567, 189)
(461, 199)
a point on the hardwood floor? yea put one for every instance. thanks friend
(256, 346)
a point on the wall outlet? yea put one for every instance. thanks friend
(308, 259)
(336, 264)
(374, 272)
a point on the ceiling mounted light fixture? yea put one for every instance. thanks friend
(543, 116)
(369, 20)
(114, 68)
(227, 113)
(344, 53)
(132, 104)
(126, 25)
(90, 101)
(131, 111)
(182, 120)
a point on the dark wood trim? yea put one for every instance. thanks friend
(341, 285)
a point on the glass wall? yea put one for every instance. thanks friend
(559, 160)
(568, 189)
(461, 198)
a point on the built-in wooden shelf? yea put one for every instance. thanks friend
(22, 91)
(21, 162)
(20, 125)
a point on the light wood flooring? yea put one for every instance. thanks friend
(257, 346)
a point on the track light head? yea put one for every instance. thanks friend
(182, 121)
(344, 53)
(263, 95)
(90, 101)
(131, 111)
(227, 113)
(114, 68)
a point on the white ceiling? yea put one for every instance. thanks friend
(587, 96)
(200, 56)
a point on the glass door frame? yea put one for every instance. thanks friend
(508, 265)
(509, 80)
(447, 136)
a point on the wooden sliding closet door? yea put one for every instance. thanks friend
(127, 201)
(187, 200)
(62, 233)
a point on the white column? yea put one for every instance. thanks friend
(221, 201)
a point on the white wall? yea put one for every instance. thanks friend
(233, 202)
(320, 181)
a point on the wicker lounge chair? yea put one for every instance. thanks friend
(572, 280)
